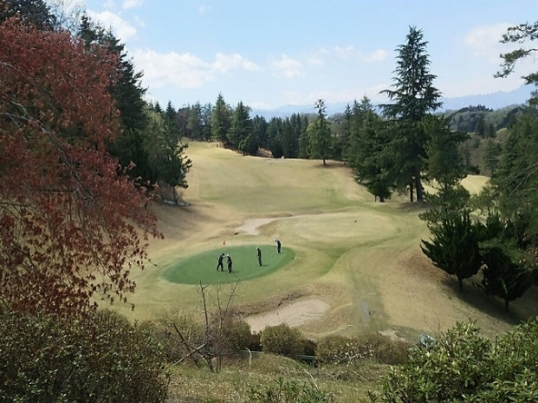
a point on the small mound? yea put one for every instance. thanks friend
(203, 266)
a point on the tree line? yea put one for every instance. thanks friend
(400, 146)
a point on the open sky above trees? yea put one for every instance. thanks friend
(273, 53)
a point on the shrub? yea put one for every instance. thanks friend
(289, 391)
(98, 359)
(164, 331)
(236, 334)
(336, 349)
(373, 346)
(462, 366)
(383, 349)
(282, 340)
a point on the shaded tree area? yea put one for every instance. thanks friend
(151, 150)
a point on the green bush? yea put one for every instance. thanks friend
(281, 340)
(99, 359)
(288, 391)
(462, 366)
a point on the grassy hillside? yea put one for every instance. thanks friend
(360, 258)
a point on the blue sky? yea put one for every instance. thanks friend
(271, 53)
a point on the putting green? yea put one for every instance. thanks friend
(202, 267)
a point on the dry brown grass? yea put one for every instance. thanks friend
(360, 257)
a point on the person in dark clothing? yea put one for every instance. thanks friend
(278, 245)
(220, 262)
(229, 261)
(259, 254)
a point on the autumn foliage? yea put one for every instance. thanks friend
(72, 224)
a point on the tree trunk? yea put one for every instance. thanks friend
(418, 185)
(507, 305)
(460, 284)
(381, 199)
(411, 192)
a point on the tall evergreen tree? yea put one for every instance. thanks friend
(320, 134)
(194, 122)
(414, 97)
(365, 156)
(240, 127)
(259, 130)
(220, 121)
(128, 95)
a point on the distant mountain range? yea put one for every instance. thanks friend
(495, 100)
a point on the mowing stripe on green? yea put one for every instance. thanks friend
(202, 267)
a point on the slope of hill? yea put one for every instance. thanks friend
(359, 258)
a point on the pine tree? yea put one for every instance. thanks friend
(415, 97)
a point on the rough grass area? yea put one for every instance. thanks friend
(238, 377)
(202, 266)
(359, 259)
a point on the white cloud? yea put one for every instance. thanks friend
(345, 52)
(286, 67)
(128, 4)
(483, 41)
(204, 9)
(121, 28)
(378, 55)
(224, 62)
(185, 70)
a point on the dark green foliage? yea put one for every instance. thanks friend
(491, 156)
(221, 118)
(445, 163)
(414, 97)
(240, 128)
(462, 366)
(319, 135)
(454, 247)
(281, 340)
(367, 153)
(284, 391)
(516, 179)
(98, 359)
(259, 130)
(502, 276)
(35, 12)
(166, 157)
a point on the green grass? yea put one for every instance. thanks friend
(200, 268)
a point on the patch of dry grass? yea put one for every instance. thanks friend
(360, 257)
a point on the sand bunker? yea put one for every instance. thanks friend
(250, 226)
(293, 315)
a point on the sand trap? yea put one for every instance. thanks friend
(293, 315)
(250, 226)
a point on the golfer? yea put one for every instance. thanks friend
(229, 261)
(278, 245)
(220, 262)
(259, 254)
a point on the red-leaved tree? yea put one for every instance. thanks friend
(71, 222)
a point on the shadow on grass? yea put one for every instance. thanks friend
(521, 309)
